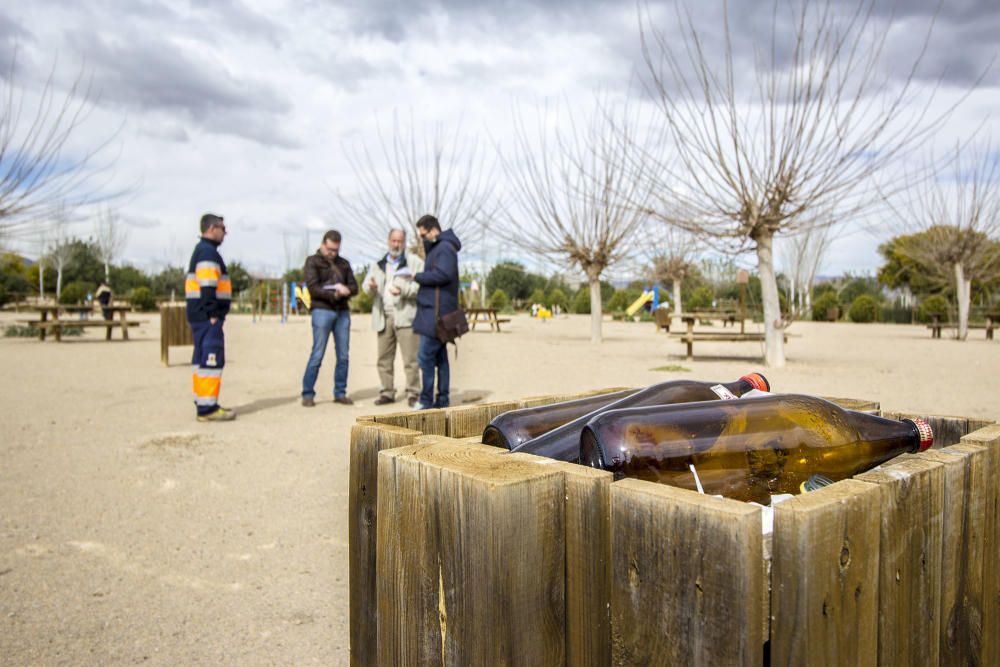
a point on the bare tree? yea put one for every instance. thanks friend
(672, 258)
(110, 235)
(578, 190)
(802, 255)
(60, 251)
(958, 217)
(39, 173)
(808, 130)
(415, 171)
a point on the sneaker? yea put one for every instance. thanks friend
(420, 406)
(220, 415)
(384, 400)
(411, 401)
(343, 400)
(308, 402)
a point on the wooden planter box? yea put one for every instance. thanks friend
(465, 554)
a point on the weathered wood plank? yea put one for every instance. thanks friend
(428, 422)
(912, 493)
(367, 439)
(947, 430)
(470, 420)
(824, 577)
(989, 437)
(857, 404)
(548, 399)
(684, 587)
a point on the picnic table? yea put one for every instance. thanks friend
(56, 325)
(485, 315)
(690, 336)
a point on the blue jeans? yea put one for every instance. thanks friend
(433, 354)
(325, 322)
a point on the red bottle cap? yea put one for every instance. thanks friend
(925, 431)
(757, 381)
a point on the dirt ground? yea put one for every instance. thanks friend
(129, 533)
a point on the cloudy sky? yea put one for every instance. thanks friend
(248, 108)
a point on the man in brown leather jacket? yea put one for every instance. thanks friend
(331, 285)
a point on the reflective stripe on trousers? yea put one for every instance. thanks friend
(208, 360)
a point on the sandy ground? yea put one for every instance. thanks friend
(130, 533)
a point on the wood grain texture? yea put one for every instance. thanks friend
(548, 399)
(470, 420)
(824, 573)
(989, 437)
(857, 404)
(686, 578)
(912, 496)
(367, 440)
(428, 422)
(947, 430)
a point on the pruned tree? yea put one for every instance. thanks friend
(60, 251)
(672, 256)
(110, 236)
(39, 171)
(956, 217)
(414, 171)
(578, 190)
(820, 115)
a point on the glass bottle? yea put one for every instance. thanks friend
(511, 428)
(749, 449)
(563, 443)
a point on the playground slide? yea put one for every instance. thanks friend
(639, 303)
(302, 294)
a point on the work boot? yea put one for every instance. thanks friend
(384, 400)
(220, 415)
(308, 402)
(343, 400)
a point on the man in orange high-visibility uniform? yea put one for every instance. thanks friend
(209, 293)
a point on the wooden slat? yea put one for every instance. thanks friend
(428, 422)
(857, 404)
(684, 590)
(469, 420)
(824, 577)
(989, 437)
(588, 560)
(491, 564)
(962, 552)
(367, 440)
(947, 430)
(548, 399)
(912, 494)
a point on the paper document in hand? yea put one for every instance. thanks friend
(403, 272)
(331, 286)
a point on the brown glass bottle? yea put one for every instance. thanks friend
(563, 443)
(510, 429)
(748, 449)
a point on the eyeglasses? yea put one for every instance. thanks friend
(222, 227)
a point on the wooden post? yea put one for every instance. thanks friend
(428, 422)
(174, 329)
(824, 577)
(947, 430)
(470, 420)
(912, 493)
(367, 440)
(989, 438)
(470, 558)
(965, 488)
(684, 588)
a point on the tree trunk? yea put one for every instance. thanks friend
(774, 342)
(963, 294)
(677, 298)
(595, 309)
(107, 273)
(41, 282)
(59, 273)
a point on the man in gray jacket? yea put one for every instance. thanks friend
(394, 306)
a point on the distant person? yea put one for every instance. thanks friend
(103, 297)
(209, 293)
(438, 295)
(394, 305)
(331, 284)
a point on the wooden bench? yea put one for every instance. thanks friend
(485, 315)
(937, 325)
(690, 338)
(57, 326)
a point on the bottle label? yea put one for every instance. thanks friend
(724, 393)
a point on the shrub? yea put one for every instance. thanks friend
(622, 299)
(558, 297)
(825, 307)
(581, 302)
(863, 309)
(701, 298)
(933, 305)
(538, 296)
(142, 299)
(360, 303)
(75, 293)
(499, 300)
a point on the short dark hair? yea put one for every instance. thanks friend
(332, 235)
(428, 222)
(210, 220)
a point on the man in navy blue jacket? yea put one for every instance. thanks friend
(438, 295)
(209, 292)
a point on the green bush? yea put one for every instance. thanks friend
(142, 299)
(824, 306)
(863, 309)
(558, 298)
(701, 298)
(360, 303)
(538, 296)
(622, 299)
(499, 300)
(581, 302)
(933, 305)
(75, 293)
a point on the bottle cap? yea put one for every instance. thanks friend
(925, 431)
(757, 381)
